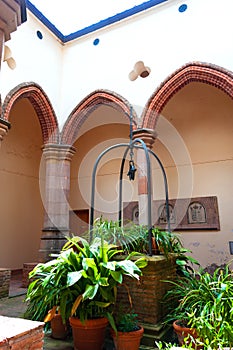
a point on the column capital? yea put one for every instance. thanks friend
(58, 152)
(4, 127)
(146, 135)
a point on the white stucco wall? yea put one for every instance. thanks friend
(162, 37)
(38, 61)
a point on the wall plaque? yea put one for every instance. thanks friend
(199, 213)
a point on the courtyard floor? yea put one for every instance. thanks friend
(14, 306)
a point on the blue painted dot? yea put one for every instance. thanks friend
(39, 34)
(183, 8)
(96, 41)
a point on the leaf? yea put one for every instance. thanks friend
(141, 263)
(117, 276)
(50, 315)
(103, 281)
(106, 294)
(76, 304)
(223, 286)
(129, 267)
(90, 291)
(111, 321)
(181, 262)
(111, 265)
(89, 263)
(102, 304)
(74, 277)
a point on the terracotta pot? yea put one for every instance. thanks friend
(58, 328)
(89, 335)
(127, 340)
(155, 249)
(183, 332)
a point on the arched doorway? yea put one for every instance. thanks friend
(21, 210)
(100, 120)
(195, 105)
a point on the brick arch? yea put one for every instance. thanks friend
(192, 72)
(81, 112)
(41, 104)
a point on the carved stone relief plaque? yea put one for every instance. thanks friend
(200, 213)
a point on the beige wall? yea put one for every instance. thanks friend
(88, 147)
(202, 116)
(21, 210)
(195, 145)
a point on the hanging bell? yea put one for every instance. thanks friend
(132, 170)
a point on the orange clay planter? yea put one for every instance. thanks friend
(185, 332)
(89, 335)
(58, 328)
(127, 340)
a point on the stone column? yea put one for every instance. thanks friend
(148, 136)
(56, 187)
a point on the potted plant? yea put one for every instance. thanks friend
(204, 305)
(83, 282)
(128, 333)
(59, 329)
(43, 298)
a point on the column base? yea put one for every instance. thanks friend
(52, 241)
(153, 333)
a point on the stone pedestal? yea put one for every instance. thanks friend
(27, 268)
(147, 295)
(5, 277)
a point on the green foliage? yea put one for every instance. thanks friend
(128, 238)
(170, 243)
(43, 291)
(205, 302)
(82, 281)
(161, 345)
(126, 322)
(132, 237)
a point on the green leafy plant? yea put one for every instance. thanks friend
(170, 243)
(126, 322)
(128, 332)
(205, 303)
(132, 237)
(43, 292)
(128, 238)
(82, 281)
(161, 345)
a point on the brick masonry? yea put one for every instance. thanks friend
(5, 276)
(27, 268)
(18, 334)
(194, 71)
(147, 294)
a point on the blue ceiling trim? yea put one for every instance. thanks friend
(103, 23)
(44, 20)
